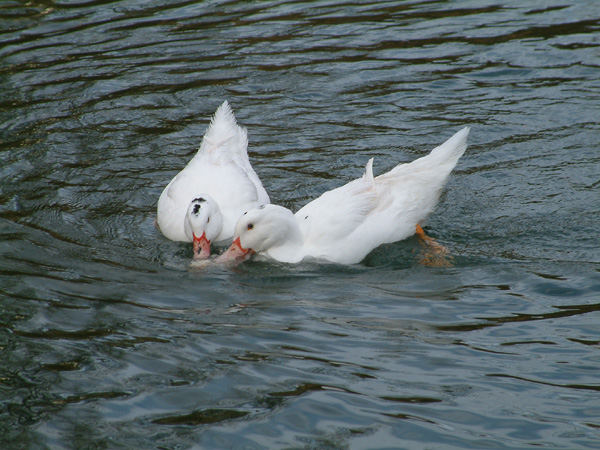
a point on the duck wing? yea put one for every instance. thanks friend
(329, 222)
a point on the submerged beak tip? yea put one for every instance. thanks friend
(238, 243)
(201, 246)
(235, 253)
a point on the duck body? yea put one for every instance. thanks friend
(219, 175)
(343, 225)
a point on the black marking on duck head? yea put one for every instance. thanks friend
(197, 204)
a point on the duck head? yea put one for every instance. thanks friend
(260, 230)
(203, 223)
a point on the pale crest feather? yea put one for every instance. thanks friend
(368, 176)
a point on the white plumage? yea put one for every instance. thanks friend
(220, 174)
(343, 225)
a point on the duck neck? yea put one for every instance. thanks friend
(289, 248)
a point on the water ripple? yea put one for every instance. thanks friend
(108, 337)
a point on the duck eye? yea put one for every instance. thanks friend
(208, 220)
(250, 226)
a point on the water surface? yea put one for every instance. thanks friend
(109, 340)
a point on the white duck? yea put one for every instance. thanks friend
(345, 224)
(203, 202)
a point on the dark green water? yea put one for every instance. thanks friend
(108, 340)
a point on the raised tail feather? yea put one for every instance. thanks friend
(453, 148)
(223, 127)
(368, 175)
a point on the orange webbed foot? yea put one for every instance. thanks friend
(434, 253)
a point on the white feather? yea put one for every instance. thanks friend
(220, 169)
(343, 225)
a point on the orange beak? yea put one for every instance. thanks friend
(235, 253)
(201, 247)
